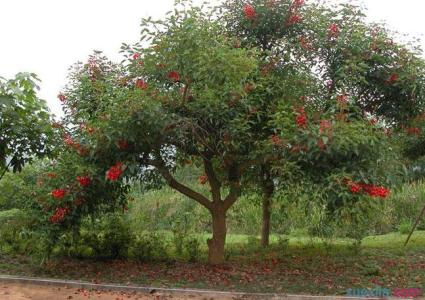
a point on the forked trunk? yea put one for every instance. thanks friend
(216, 243)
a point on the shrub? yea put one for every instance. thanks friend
(108, 236)
(149, 246)
(192, 245)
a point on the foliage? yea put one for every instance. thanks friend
(25, 123)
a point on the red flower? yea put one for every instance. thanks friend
(62, 97)
(203, 179)
(393, 78)
(136, 56)
(376, 191)
(59, 215)
(294, 19)
(122, 144)
(173, 76)
(84, 180)
(333, 30)
(371, 190)
(301, 118)
(297, 3)
(141, 84)
(249, 12)
(114, 172)
(355, 188)
(58, 193)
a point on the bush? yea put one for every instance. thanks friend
(13, 224)
(108, 236)
(149, 246)
(192, 245)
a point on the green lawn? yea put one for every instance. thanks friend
(307, 266)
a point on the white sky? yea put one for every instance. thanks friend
(48, 36)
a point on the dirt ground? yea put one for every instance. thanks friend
(12, 291)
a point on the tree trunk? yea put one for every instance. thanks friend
(268, 190)
(265, 231)
(216, 243)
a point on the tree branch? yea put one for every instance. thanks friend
(172, 182)
(215, 184)
(235, 187)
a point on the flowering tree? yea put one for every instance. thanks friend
(356, 65)
(25, 126)
(202, 94)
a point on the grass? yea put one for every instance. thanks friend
(305, 265)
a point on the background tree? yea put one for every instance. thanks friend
(355, 64)
(25, 123)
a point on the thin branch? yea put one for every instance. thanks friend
(414, 226)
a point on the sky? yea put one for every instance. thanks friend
(47, 36)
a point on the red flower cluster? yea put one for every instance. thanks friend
(393, 78)
(333, 30)
(58, 193)
(141, 84)
(371, 190)
(294, 19)
(59, 215)
(136, 56)
(114, 172)
(122, 144)
(301, 118)
(355, 188)
(413, 131)
(173, 76)
(84, 180)
(298, 3)
(203, 179)
(62, 97)
(249, 12)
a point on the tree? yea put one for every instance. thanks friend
(25, 123)
(195, 94)
(355, 61)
